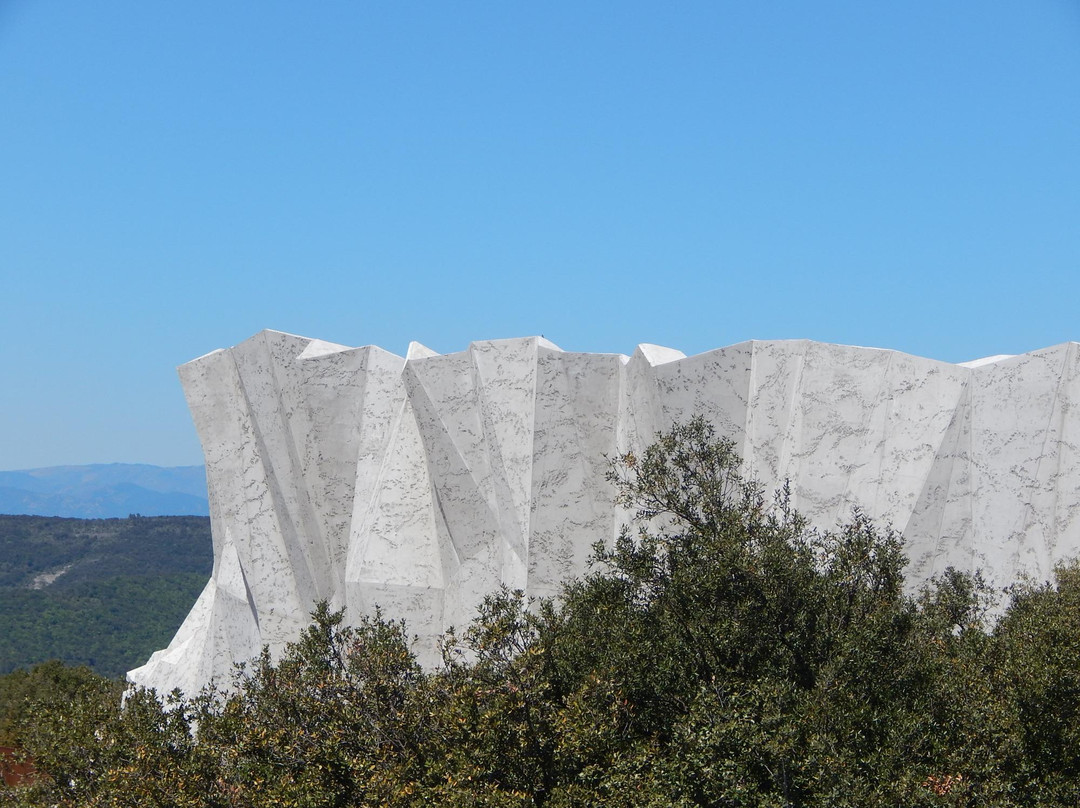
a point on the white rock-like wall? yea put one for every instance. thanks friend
(419, 484)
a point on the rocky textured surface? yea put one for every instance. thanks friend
(421, 483)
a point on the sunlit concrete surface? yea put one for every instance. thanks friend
(420, 483)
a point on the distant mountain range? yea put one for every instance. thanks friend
(103, 491)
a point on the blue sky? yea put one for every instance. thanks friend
(175, 177)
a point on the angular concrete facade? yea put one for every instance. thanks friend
(421, 483)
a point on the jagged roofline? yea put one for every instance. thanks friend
(650, 351)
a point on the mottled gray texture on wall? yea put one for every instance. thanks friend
(421, 483)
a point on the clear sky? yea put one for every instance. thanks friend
(175, 177)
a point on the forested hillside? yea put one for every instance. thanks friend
(104, 593)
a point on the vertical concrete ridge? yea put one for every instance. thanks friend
(419, 484)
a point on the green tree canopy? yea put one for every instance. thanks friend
(720, 653)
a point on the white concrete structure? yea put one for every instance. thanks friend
(422, 483)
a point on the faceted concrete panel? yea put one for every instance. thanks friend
(419, 484)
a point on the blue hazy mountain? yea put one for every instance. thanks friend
(103, 491)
